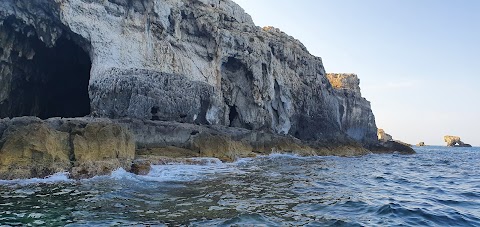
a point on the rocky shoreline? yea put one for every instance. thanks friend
(162, 79)
(86, 147)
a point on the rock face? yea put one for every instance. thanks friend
(33, 149)
(383, 136)
(191, 61)
(30, 147)
(455, 141)
(86, 147)
(180, 140)
(356, 115)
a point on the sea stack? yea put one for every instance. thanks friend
(455, 141)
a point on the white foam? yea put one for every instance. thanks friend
(185, 173)
(194, 169)
(55, 178)
(197, 169)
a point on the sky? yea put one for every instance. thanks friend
(418, 60)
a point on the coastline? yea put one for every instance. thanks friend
(87, 147)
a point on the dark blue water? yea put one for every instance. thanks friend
(436, 187)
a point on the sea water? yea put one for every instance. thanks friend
(435, 187)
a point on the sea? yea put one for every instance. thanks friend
(438, 186)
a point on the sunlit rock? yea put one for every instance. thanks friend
(455, 141)
(421, 144)
(383, 136)
(192, 61)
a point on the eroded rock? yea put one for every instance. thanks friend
(141, 167)
(455, 141)
(192, 61)
(356, 115)
(101, 148)
(383, 136)
(31, 148)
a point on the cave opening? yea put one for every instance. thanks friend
(233, 116)
(52, 83)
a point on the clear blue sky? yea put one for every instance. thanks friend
(418, 60)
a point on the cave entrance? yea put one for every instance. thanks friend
(54, 83)
(66, 70)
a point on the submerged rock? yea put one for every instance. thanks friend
(141, 167)
(455, 141)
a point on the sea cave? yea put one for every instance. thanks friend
(40, 80)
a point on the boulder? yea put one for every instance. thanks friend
(141, 167)
(421, 144)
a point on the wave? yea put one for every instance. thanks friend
(190, 170)
(53, 179)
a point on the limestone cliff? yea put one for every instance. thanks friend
(191, 61)
(356, 115)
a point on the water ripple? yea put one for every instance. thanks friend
(436, 187)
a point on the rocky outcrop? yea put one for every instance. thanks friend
(387, 144)
(392, 146)
(383, 136)
(178, 78)
(455, 141)
(86, 147)
(421, 144)
(183, 140)
(191, 61)
(30, 147)
(356, 115)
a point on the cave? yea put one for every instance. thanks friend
(233, 116)
(54, 83)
